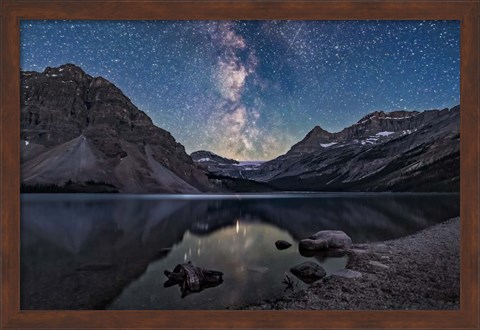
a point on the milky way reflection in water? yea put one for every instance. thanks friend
(109, 251)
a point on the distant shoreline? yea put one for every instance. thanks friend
(420, 271)
(233, 196)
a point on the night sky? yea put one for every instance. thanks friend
(251, 89)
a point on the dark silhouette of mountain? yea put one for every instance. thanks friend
(78, 128)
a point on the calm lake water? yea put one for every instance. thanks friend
(97, 251)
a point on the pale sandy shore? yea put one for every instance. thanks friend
(420, 271)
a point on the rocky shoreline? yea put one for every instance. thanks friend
(420, 271)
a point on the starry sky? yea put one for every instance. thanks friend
(249, 90)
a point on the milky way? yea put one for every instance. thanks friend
(251, 89)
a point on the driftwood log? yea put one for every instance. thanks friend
(192, 279)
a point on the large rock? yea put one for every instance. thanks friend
(336, 239)
(308, 271)
(313, 244)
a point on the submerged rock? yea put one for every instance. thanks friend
(336, 239)
(192, 279)
(308, 272)
(313, 244)
(282, 245)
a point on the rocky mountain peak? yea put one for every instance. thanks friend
(64, 109)
(372, 115)
(382, 115)
(100, 81)
(385, 151)
(70, 67)
(313, 139)
(375, 126)
(318, 131)
(67, 71)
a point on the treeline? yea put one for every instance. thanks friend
(69, 187)
(239, 185)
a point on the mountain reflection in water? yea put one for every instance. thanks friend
(109, 251)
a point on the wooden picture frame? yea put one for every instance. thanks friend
(467, 12)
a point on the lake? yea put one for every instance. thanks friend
(109, 251)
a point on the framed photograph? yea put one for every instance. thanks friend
(246, 164)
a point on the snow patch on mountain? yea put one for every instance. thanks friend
(326, 145)
(385, 133)
(251, 163)
(396, 118)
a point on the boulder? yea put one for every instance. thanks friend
(308, 272)
(336, 239)
(313, 244)
(282, 245)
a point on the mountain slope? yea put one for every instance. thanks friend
(396, 151)
(418, 153)
(80, 128)
(378, 125)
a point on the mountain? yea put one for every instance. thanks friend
(81, 133)
(82, 130)
(228, 174)
(383, 151)
(225, 168)
(373, 127)
(208, 157)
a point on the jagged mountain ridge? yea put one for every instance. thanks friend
(79, 128)
(422, 154)
(383, 151)
(82, 128)
(368, 126)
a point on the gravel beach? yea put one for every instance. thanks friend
(419, 272)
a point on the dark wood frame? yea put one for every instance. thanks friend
(13, 11)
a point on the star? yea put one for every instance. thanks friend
(249, 90)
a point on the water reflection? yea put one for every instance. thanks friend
(253, 269)
(83, 251)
